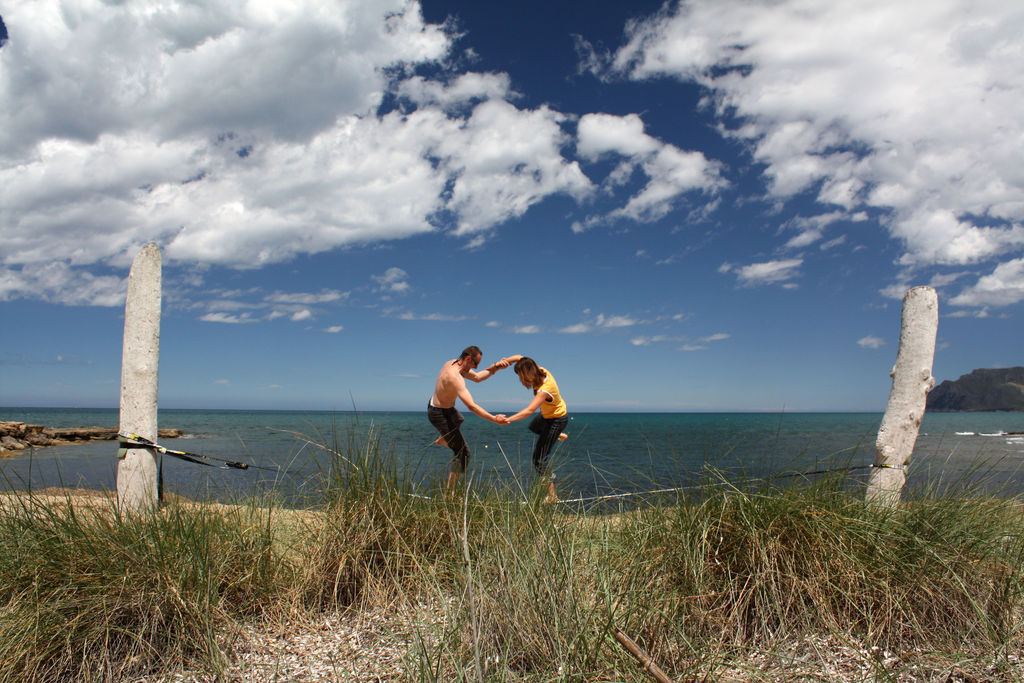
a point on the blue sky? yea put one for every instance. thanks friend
(708, 205)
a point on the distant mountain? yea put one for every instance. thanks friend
(983, 390)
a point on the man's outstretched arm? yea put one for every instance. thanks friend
(478, 410)
(489, 371)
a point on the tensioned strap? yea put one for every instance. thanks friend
(130, 440)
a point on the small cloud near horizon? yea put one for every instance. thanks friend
(227, 318)
(443, 317)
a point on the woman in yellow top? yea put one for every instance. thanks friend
(550, 425)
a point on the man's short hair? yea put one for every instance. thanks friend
(471, 351)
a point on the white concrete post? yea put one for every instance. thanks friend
(137, 470)
(911, 381)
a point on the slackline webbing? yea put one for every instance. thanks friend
(700, 486)
(628, 494)
(129, 440)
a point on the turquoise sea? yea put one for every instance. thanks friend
(607, 454)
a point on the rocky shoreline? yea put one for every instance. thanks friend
(19, 436)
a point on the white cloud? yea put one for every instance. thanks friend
(943, 279)
(58, 283)
(227, 318)
(1002, 287)
(835, 242)
(245, 210)
(600, 322)
(769, 272)
(980, 314)
(613, 321)
(334, 329)
(229, 303)
(671, 172)
(206, 68)
(812, 228)
(807, 237)
(895, 290)
(221, 131)
(871, 342)
(604, 133)
(898, 289)
(526, 329)
(463, 90)
(324, 296)
(700, 344)
(909, 108)
(504, 161)
(443, 317)
(245, 134)
(393, 280)
(656, 339)
(252, 305)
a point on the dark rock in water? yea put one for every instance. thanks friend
(999, 389)
(17, 436)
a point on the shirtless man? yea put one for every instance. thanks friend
(442, 413)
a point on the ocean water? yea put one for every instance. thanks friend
(624, 455)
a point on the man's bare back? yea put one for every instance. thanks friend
(449, 384)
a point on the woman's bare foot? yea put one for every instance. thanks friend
(563, 436)
(440, 441)
(551, 497)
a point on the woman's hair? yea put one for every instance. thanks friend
(529, 366)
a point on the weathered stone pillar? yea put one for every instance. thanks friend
(911, 381)
(137, 469)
